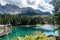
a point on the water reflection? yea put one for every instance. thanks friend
(48, 29)
(26, 30)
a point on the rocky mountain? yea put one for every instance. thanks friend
(13, 9)
(30, 11)
(9, 9)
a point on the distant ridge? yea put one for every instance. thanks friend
(13, 9)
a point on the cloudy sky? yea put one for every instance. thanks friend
(42, 5)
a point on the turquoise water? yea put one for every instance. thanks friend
(22, 31)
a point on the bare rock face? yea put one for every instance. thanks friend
(13, 9)
(58, 38)
(9, 9)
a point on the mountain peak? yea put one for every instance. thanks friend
(13, 9)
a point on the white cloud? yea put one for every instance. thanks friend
(2, 2)
(35, 4)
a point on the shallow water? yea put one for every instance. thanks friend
(22, 31)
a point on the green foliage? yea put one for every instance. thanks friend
(56, 4)
(23, 20)
(37, 36)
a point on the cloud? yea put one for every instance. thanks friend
(35, 4)
(48, 1)
(2, 2)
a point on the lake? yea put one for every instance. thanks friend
(26, 30)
